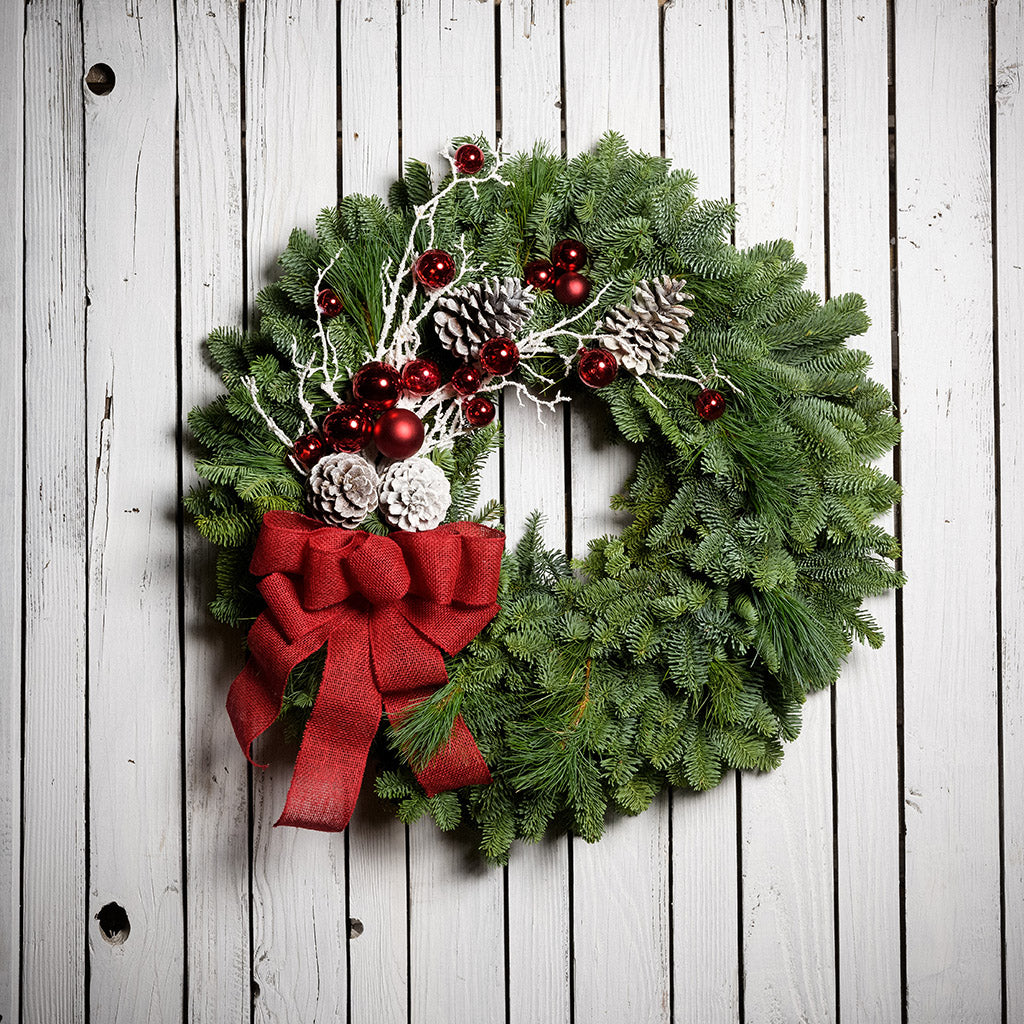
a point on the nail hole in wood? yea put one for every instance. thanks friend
(114, 923)
(100, 79)
(355, 927)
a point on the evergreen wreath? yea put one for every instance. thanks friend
(668, 655)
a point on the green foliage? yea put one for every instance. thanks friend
(686, 646)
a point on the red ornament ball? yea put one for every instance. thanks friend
(466, 380)
(421, 377)
(308, 450)
(597, 368)
(710, 405)
(377, 386)
(398, 433)
(434, 269)
(328, 302)
(499, 356)
(540, 274)
(469, 159)
(479, 411)
(570, 254)
(347, 428)
(572, 289)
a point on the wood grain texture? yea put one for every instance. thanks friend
(620, 886)
(300, 928)
(378, 886)
(135, 835)
(867, 769)
(53, 826)
(12, 167)
(456, 907)
(945, 322)
(534, 478)
(787, 851)
(212, 294)
(705, 869)
(1009, 214)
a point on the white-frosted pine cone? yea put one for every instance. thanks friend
(492, 308)
(646, 335)
(343, 489)
(414, 494)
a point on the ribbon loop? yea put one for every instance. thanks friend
(387, 609)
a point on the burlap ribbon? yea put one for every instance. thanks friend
(387, 607)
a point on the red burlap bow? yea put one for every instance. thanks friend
(386, 607)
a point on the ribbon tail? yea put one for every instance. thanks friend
(457, 763)
(332, 757)
(253, 705)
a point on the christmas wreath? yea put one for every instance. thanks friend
(518, 689)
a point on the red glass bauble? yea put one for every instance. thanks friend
(308, 450)
(347, 428)
(597, 368)
(398, 433)
(377, 386)
(421, 377)
(572, 289)
(328, 302)
(466, 380)
(710, 405)
(479, 411)
(540, 274)
(499, 356)
(570, 255)
(434, 269)
(469, 159)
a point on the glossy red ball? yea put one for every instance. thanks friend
(377, 386)
(328, 303)
(308, 450)
(421, 377)
(469, 159)
(479, 411)
(434, 269)
(540, 274)
(466, 380)
(398, 433)
(710, 405)
(572, 289)
(570, 254)
(499, 356)
(347, 428)
(597, 368)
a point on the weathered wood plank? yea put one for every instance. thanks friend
(456, 906)
(867, 817)
(945, 324)
(534, 471)
(300, 929)
(12, 167)
(621, 944)
(135, 834)
(705, 869)
(1009, 217)
(378, 888)
(53, 858)
(788, 926)
(216, 780)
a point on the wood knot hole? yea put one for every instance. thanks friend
(100, 79)
(114, 923)
(355, 927)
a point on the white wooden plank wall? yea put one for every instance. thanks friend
(877, 876)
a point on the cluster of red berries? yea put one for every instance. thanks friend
(563, 274)
(398, 433)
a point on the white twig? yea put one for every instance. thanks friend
(250, 384)
(304, 370)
